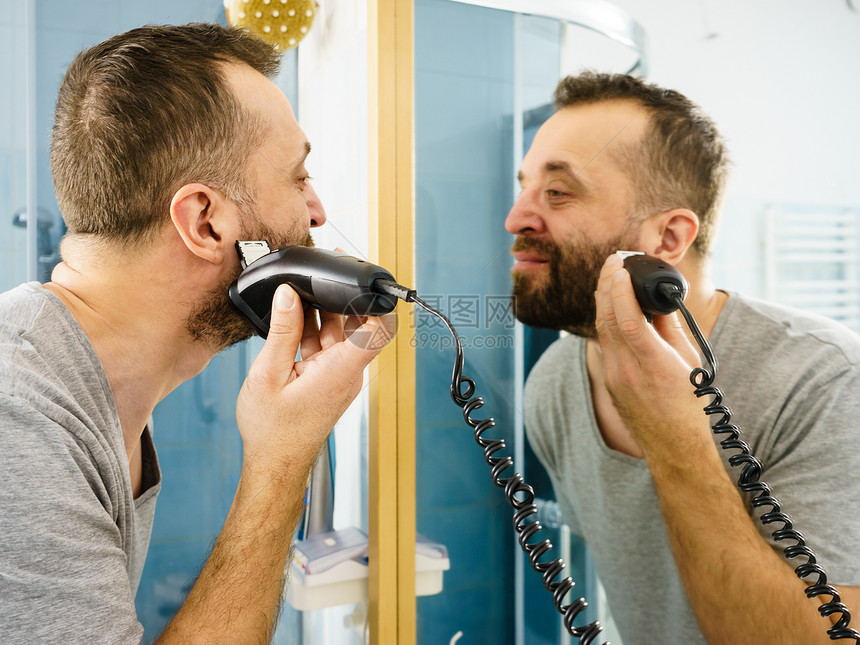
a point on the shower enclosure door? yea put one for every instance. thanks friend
(484, 76)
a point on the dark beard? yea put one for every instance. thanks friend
(216, 321)
(566, 300)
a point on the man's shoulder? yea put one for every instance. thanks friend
(562, 354)
(20, 309)
(31, 314)
(563, 349)
(20, 305)
(54, 395)
(760, 327)
(45, 357)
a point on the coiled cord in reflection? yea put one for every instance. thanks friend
(519, 495)
(749, 481)
(462, 391)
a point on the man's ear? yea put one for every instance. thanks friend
(671, 233)
(199, 214)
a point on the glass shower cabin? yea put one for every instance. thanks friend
(485, 71)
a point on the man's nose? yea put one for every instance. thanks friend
(315, 207)
(525, 215)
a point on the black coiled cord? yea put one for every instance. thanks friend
(749, 481)
(518, 494)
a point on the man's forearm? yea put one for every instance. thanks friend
(740, 589)
(237, 595)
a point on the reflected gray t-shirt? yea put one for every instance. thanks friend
(793, 385)
(72, 538)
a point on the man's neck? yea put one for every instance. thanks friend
(134, 317)
(703, 300)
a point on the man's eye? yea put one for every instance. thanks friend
(555, 194)
(304, 181)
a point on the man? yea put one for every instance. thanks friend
(170, 143)
(611, 413)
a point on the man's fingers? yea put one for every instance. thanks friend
(606, 321)
(627, 324)
(311, 337)
(277, 357)
(371, 334)
(629, 319)
(622, 328)
(331, 329)
(673, 331)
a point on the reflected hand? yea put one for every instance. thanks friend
(646, 366)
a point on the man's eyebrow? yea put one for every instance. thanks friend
(559, 166)
(298, 163)
(562, 167)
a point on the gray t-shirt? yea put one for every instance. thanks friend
(793, 384)
(72, 538)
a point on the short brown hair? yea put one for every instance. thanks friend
(682, 162)
(146, 112)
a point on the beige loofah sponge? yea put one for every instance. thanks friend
(280, 22)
